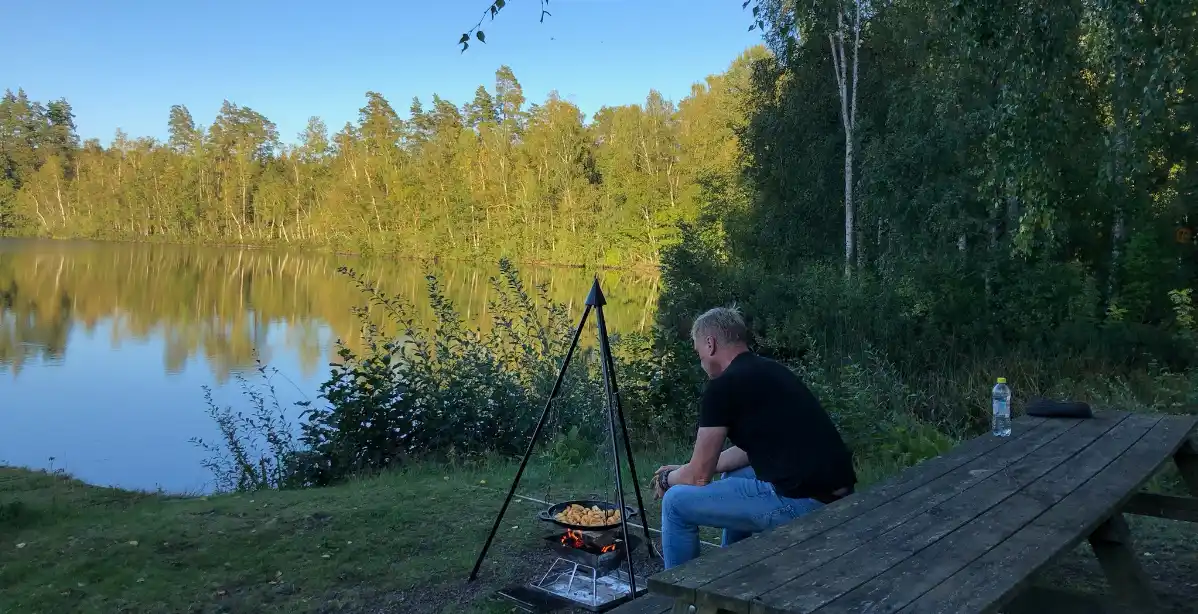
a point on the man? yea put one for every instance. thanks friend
(787, 457)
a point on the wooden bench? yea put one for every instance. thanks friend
(962, 532)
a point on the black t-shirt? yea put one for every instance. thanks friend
(771, 415)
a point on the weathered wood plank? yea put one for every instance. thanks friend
(1005, 570)
(834, 578)
(682, 581)
(735, 591)
(899, 586)
(646, 604)
(1112, 544)
(1163, 506)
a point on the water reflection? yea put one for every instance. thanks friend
(104, 346)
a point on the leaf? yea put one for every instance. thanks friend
(465, 39)
(747, 4)
(752, 27)
(499, 4)
(465, 46)
(493, 11)
(756, 10)
(482, 38)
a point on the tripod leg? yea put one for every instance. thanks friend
(615, 451)
(609, 381)
(610, 371)
(561, 374)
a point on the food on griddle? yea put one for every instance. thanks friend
(587, 516)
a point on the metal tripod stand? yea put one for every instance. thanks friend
(615, 413)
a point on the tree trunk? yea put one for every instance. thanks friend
(848, 117)
(37, 208)
(374, 205)
(1121, 190)
(62, 211)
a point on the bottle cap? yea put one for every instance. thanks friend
(1002, 380)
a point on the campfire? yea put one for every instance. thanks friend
(602, 551)
(581, 541)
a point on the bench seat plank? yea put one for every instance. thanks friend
(682, 581)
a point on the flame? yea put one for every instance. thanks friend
(573, 539)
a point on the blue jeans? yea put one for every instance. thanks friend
(739, 503)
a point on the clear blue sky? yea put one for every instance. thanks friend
(123, 63)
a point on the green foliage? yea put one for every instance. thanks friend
(493, 10)
(1018, 212)
(871, 406)
(568, 450)
(8, 216)
(413, 392)
(257, 450)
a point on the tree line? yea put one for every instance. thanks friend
(494, 176)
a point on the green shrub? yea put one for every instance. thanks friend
(441, 391)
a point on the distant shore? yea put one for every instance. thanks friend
(648, 269)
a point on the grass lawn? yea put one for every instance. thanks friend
(401, 542)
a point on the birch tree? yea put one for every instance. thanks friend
(848, 18)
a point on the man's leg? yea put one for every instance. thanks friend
(738, 504)
(731, 536)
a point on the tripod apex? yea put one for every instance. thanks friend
(595, 298)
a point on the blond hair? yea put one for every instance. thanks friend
(724, 323)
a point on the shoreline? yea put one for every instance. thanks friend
(648, 269)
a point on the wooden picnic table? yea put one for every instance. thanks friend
(962, 532)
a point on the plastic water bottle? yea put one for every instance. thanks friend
(1001, 401)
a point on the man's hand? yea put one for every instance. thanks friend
(659, 489)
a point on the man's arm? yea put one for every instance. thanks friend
(732, 459)
(704, 460)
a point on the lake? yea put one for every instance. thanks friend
(105, 347)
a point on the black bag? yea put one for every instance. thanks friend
(1046, 408)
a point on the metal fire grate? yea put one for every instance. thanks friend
(570, 584)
